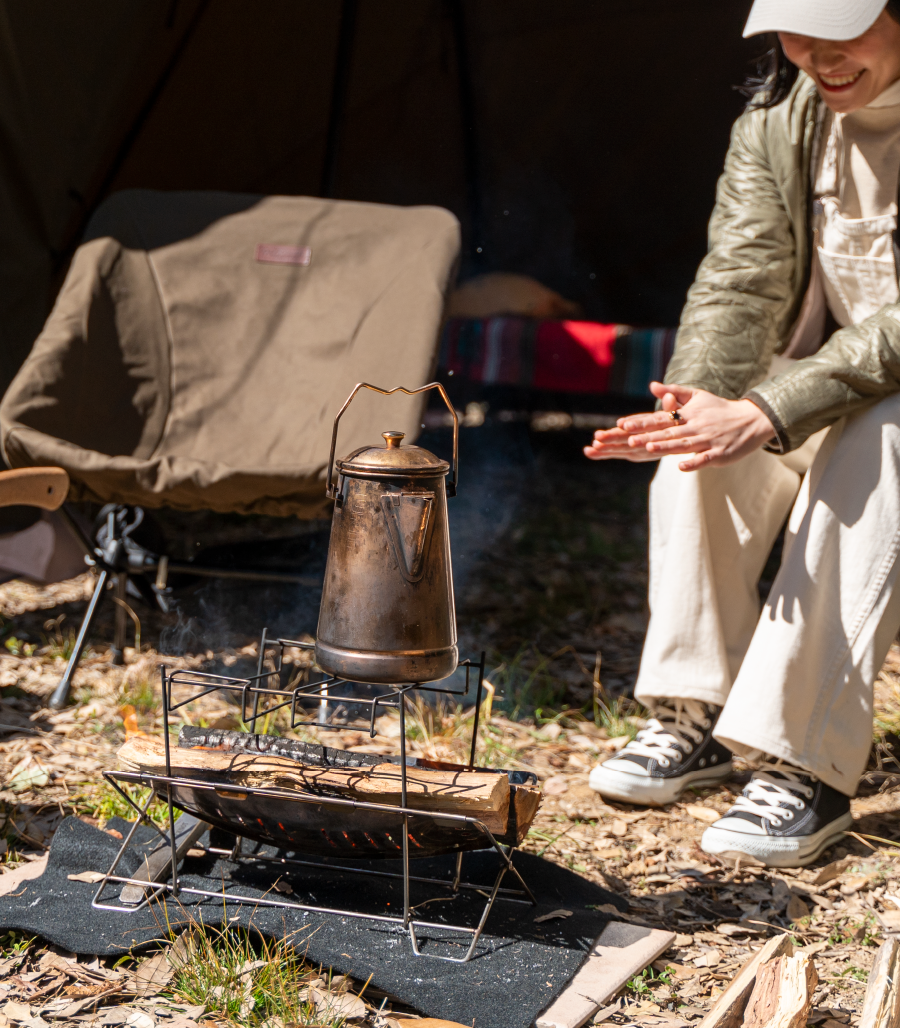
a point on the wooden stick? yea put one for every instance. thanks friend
(485, 796)
(881, 1007)
(158, 864)
(783, 993)
(34, 487)
(728, 1009)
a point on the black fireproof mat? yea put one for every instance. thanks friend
(518, 968)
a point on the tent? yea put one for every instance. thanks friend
(578, 142)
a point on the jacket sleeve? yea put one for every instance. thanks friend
(859, 365)
(743, 288)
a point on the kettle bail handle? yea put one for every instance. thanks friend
(331, 490)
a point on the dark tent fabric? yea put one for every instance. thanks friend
(578, 141)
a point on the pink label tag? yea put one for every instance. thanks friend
(271, 253)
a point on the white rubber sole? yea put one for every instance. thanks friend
(652, 792)
(773, 850)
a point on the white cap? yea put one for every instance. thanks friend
(822, 19)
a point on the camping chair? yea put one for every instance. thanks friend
(197, 353)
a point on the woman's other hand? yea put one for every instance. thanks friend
(716, 431)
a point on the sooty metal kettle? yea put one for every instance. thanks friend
(387, 614)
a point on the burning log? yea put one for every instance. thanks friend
(478, 794)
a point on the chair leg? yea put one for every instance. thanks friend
(118, 646)
(61, 693)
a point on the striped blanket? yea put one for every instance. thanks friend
(564, 356)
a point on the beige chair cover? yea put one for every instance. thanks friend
(203, 342)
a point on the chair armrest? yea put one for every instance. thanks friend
(34, 487)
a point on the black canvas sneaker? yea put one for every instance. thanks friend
(676, 750)
(785, 817)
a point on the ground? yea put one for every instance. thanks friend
(557, 601)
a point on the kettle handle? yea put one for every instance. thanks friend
(331, 491)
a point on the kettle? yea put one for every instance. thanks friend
(387, 614)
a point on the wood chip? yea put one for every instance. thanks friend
(881, 1007)
(728, 1009)
(91, 877)
(783, 993)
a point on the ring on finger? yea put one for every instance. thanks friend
(676, 416)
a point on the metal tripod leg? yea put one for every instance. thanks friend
(61, 694)
(118, 646)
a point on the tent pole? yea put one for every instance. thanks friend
(339, 90)
(471, 155)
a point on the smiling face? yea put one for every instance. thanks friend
(849, 73)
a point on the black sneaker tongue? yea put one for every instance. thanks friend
(789, 783)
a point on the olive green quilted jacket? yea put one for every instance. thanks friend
(748, 291)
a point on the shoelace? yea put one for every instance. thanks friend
(674, 731)
(771, 798)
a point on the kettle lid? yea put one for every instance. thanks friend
(392, 458)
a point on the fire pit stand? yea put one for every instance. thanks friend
(225, 804)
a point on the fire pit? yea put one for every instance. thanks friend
(387, 619)
(310, 801)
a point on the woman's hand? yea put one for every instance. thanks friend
(717, 431)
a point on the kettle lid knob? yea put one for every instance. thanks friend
(393, 439)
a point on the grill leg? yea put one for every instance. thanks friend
(402, 697)
(61, 693)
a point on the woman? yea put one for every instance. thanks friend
(801, 265)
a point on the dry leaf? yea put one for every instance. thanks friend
(553, 914)
(556, 786)
(28, 774)
(703, 813)
(737, 929)
(140, 1019)
(151, 975)
(678, 970)
(332, 1005)
(12, 881)
(857, 883)
(91, 877)
(9, 965)
(831, 871)
(17, 1011)
(796, 908)
(708, 959)
(619, 828)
